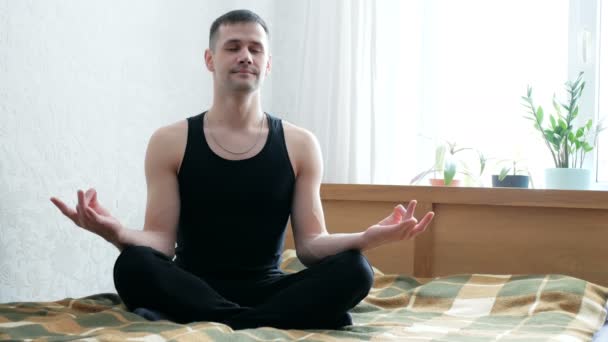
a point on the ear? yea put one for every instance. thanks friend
(209, 60)
(268, 66)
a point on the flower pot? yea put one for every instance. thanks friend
(568, 178)
(511, 181)
(440, 182)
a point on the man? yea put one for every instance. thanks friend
(222, 184)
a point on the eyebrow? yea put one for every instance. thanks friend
(238, 41)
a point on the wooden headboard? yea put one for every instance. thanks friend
(480, 230)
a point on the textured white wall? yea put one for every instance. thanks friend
(83, 84)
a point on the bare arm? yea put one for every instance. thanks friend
(163, 203)
(312, 240)
(163, 156)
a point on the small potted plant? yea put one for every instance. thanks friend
(568, 144)
(512, 175)
(449, 162)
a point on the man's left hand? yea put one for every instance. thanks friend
(400, 224)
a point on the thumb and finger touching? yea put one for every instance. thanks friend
(79, 214)
(393, 218)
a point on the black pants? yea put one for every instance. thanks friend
(315, 298)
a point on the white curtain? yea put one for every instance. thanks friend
(339, 93)
(332, 88)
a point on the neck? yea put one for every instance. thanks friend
(236, 111)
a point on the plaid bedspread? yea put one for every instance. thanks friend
(477, 307)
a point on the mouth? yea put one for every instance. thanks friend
(244, 71)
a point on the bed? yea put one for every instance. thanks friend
(496, 265)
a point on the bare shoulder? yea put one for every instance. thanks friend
(168, 143)
(297, 134)
(302, 145)
(171, 133)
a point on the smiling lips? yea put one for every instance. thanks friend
(244, 71)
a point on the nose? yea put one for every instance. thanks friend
(245, 57)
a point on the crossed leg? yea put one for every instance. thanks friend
(318, 297)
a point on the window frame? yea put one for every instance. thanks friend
(583, 55)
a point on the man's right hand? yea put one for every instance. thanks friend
(90, 215)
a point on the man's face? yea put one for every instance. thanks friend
(240, 60)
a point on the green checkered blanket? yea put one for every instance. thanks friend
(474, 307)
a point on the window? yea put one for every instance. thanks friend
(466, 65)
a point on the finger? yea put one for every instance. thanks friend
(80, 208)
(415, 232)
(65, 210)
(401, 210)
(94, 196)
(88, 196)
(426, 219)
(62, 206)
(407, 226)
(393, 218)
(391, 230)
(425, 222)
(397, 214)
(91, 215)
(411, 207)
(79, 219)
(83, 203)
(421, 226)
(80, 196)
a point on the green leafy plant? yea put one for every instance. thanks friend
(448, 163)
(513, 167)
(568, 145)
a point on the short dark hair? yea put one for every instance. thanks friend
(233, 17)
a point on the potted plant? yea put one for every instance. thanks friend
(449, 162)
(568, 144)
(512, 175)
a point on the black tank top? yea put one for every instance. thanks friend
(233, 213)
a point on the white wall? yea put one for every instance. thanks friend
(83, 84)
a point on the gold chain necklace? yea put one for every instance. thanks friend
(257, 140)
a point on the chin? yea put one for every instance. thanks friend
(244, 86)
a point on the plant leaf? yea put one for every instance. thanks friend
(449, 172)
(556, 105)
(574, 113)
(587, 147)
(580, 132)
(503, 173)
(440, 157)
(552, 119)
(540, 114)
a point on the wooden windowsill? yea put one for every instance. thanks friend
(588, 199)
